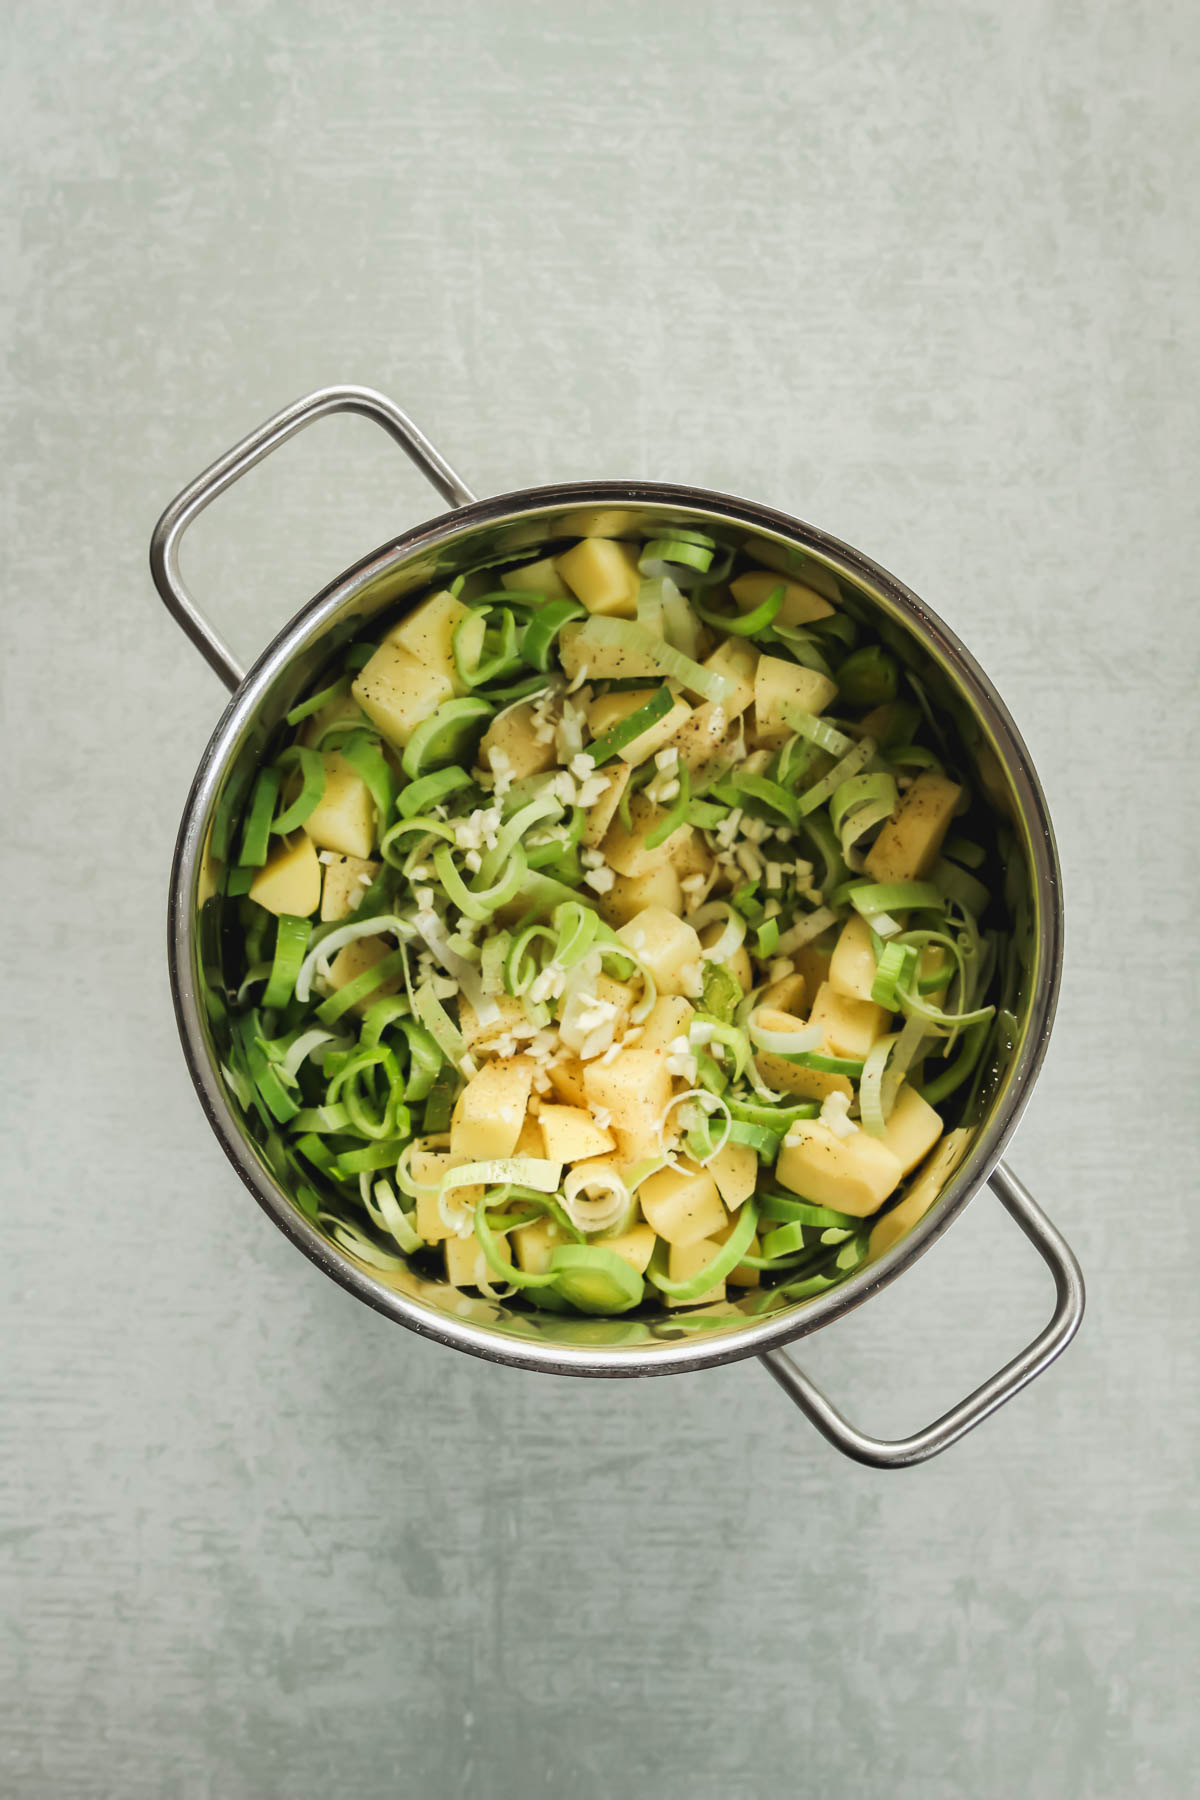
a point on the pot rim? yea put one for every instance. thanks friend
(757, 1336)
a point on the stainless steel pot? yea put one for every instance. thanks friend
(467, 534)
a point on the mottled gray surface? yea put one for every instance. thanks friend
(925, 275)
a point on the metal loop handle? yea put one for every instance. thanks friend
(902, 1453)
(186, 506)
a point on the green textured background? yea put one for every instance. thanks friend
(924, 275)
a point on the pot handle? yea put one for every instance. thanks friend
(186, 506)
(902, 1453)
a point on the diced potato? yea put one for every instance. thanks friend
(427, 1166)
(353, 960)
(344, 817)
(603, 811)
(852, 968)
(533, 1245)
(792, 1078)
(911, 840)
(290, 879)
(581, 656)
(636, 1246)
(667, 946)
(667, 1019)
(397, 692)
(490, 1111)
(800, 604)
(921, 1195)
(912, 1129)
(779, 685)
(465, 1264)
(707, 735)
(849, 1027)
(785, 995)
(571, 1134)
(735, 1171)
(686, 1260)
(603, 574)
(427, 633)
(541, 577)
(739, 964)
(531, 1141)
(566, 1078)
(612, 709)
(738, 662)
(627, 851)
(853, 1175)
(631, 894)
(814, 965)
(343, 885)
(742, 1276)
(683, 1204)
(512, 738)
(478, 1037)
(634, 1089)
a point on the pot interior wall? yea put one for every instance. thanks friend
(381, 587)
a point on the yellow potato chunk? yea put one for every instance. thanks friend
(853, 1175)
(571, 1134)
(667, 1019)
(344, 817)
(628, 852)
(343, 885)
(709, 730)
(912, 1129)
(849, 1027)
(490, 1111)
(686, 1260)
(465, 1264)
(738, 661)
(531, 1142)
(785, 995)
(353, 960)
(541, 577)
(667, 946)
(479, 1037)
(735, 1171)
(427, 634)
(290, 879)
(911, 840)
(512, 739)
(928, 1185)
(566, 1078)
(779, 685)
(603, 574)
(427, 1166)
(582, 657)
(683, 1205)
(603, 811)
(801, 605)
(533, 1245)
(631, 894)
(397, 692)
(814, 965)
(636, 1246)
(792, 1078)
(613, 709)
(852, 967)
(634, 1090)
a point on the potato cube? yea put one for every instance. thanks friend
(570, 1134)
(852, 967)
(634, 1090)
(786, 994)
(566, 1078)
(479, 1037)
(490, 1111)
(344, 817)
(584, 658)
(427, 1167)
(531, 1141)
(686, 1260)
(512, 739)
(631, 894)
(465, 1263)
(603, 574)
(683, 1204)
(667, 946)
(396, 692)
(290, 879)
(541, 577)
(801, 605)
(853, 1175)
(779, 686)
(533, 1245)
(613, 709)
(667, 1019)
(427, 634)
(911, 840)
(849, 1027)
(928, 1185)
(603, 811)
(353, 960)
(793, 1078)
(636, 1246)
(628, 852)
(912, 1129)
(343, 884)
(735, 1171)
(738, 661)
